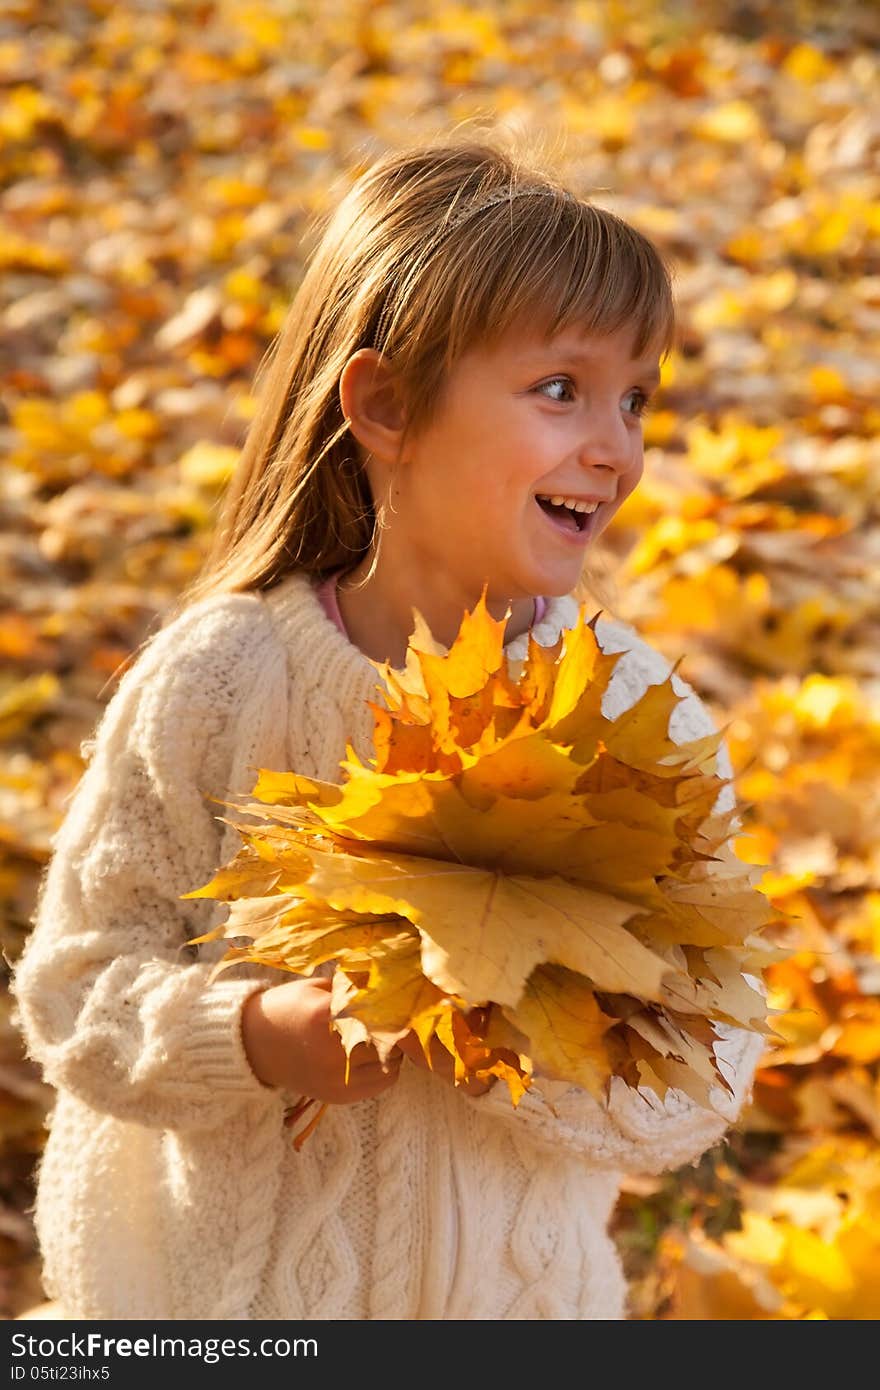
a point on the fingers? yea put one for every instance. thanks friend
(366, 1054)
(366, 1069)
(441, 1060)
(367, 1080)
(410, 1046)
(442, 1064)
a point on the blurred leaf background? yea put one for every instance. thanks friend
(161, 165)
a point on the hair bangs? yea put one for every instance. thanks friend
(567, 264)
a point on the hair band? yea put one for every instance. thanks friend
(501, 195)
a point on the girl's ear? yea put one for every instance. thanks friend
(372, 402)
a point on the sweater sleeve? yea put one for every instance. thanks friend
(634, 1131)
(109, 1000)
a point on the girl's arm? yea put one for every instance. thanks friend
(110, 1002)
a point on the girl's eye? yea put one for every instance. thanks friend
(642, 403)
(556, 381)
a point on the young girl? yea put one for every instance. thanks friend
(455, 399)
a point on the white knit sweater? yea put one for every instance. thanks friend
(169, 1187)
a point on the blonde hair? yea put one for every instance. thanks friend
(424, 257)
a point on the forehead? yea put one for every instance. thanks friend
(528, 346)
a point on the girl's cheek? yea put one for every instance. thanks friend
(623, 492)
(632, 482)
(604, 524)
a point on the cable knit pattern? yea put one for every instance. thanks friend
(168, 1187)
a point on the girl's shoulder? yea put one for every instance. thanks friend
(220, 629)
(639, 666)
(616, 635)
(642, 665)
(210, 653)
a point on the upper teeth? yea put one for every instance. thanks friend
(571, 502)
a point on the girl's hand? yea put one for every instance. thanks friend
(290, 1044)
(442, 1064)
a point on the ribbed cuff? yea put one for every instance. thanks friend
(214, 1049)
(645, 1118)
(641, 1116)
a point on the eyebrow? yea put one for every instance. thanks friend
(577, 355)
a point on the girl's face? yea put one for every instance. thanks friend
(522, 420)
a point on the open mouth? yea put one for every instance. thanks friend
(575, 523)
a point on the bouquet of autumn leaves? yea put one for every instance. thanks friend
(544, 889)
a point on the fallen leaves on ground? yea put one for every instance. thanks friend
(158, 173)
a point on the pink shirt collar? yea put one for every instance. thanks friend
(326, 592)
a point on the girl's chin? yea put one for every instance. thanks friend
(551, 582)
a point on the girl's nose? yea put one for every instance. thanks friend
(607, 443)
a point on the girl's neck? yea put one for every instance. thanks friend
(379, 619)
